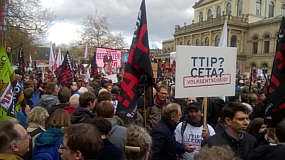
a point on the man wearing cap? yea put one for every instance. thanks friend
(191, 131)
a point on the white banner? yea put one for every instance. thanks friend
(205, 71)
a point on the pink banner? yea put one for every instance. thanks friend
(105, 57)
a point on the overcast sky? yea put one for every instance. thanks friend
(162, 16)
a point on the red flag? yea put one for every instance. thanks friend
(275, 109)
(138, 70)
(65, 72)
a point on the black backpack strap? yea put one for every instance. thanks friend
(36, 131)
(183, 127)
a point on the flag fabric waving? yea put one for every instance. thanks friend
(224, 37)
(11, 94)
(275, 108)
(65, 71)
(86, 52)
(51, 62)
(21, 61)
(138, 69)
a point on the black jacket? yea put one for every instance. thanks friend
(164, 145)
(81, 115)
(110, 152)
(240, 147)
(266, 152)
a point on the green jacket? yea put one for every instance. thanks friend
(9, 156)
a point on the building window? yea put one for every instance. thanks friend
(258, 7)
(217, 40)
(210, 15)
(188, 43)
(201, 17)
(283, 10)
(197, 42)
(234, 41)
(239, 8)
(255, 47)
(266, 46)
(271, 9)
(180, 43)
(229, 9)
(207, 41)
(219, 11)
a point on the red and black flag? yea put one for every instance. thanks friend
(138, 70)
(65, 72)
(275, 108)
(21, 60)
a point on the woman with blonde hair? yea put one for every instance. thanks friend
(138, 143)
(48, 143)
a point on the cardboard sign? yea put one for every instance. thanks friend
(112, 77)
(205, 71)
(154, 69)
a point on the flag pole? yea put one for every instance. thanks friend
(205, 102)
(144, 105)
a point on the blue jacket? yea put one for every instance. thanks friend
(47, 145)
(36, 98)
(164, 145)
(22, 118)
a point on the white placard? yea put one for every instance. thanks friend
(112, 77)
(205, 71)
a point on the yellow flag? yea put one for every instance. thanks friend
(6, 70)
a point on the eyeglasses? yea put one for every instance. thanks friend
(63, 147)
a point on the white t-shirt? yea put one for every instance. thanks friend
(192, 135)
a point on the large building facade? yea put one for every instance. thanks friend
(253, 26)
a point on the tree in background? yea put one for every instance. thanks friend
(96, 33)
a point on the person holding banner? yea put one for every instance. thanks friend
(235, 118)
(191, 131)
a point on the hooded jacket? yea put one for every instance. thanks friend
(47, 145)
(47, 101)
(81, 115)
(118, 134)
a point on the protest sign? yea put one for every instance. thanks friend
(154, 67)
(108, 58)
(112, 77)
(205, 71)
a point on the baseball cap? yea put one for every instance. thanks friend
(195, 105)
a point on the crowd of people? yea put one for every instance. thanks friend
(80, 122)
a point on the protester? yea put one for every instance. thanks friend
(83, 113)
(154, 113)
(23, 113)
(64, 95)
(105, 109)
(14, 140)
(74, 87)
(50, 98)
(109, 151)
(48, 143)
(192, 130)
(235, 117)
(216, 153)
(80, 142)
(272, 151)
(138, 143)
(74, 101)
(164, 145)
(256, 127)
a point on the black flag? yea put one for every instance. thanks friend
(65, 72)
(138, 71)
(275, 108)
(21, 60)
